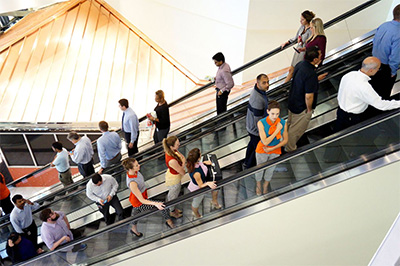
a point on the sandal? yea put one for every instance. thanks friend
(133, 233)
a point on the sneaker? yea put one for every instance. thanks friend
(80, 247)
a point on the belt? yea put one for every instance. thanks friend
(65, 171)
(115, 156)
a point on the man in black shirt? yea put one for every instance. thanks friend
(302, 96)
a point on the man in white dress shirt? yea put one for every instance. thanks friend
(103, 190)
(356, 94)
(82, 155)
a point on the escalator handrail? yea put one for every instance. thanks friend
(236, 71)
(332, 138)
(84, 180)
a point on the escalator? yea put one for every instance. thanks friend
(239, 135)
(327, 157)
(227, 137)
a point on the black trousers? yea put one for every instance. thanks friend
(222, 101)
(160, 134)
(131, 151)
(105, 209)
(31, 233)
(86, 169)
(250, 159)
(382, 82)
(345, 119)
(6, 205)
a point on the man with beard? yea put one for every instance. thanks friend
(57, 231)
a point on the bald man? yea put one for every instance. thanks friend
(356, 94)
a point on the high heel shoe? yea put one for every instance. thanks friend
(170, 227)
(134, 234)
(175, 215)
(215, 206)
(194, 216)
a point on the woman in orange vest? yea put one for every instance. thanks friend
(273, 134)
(138, 196)
(5, 202)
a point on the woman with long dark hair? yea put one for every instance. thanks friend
(198, 179)
(303, 33)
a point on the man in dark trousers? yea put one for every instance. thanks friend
(22, 220)
(386, 47)
(256, 109)
(130, 126)
(223, 82)
(302, 96)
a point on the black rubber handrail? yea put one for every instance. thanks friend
(280, 97)
(275, 91)
(236, 71)
(322, 142)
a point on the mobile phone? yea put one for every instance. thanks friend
(296, 50)
(104, 202)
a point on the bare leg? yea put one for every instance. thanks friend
(290, 74)
(265, 187)
(196, 212)
(214, 201)
(258, 188)
(134, 229)
(170, 223)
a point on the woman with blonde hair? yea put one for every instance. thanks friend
(161, 120)
(175, 162)
(318, 37)
(138, 196)
(303, 33)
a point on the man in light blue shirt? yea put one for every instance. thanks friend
(61, 163)
(108, 147)
(130, 126)
(82, 155)
(21, 218)
(386, 47)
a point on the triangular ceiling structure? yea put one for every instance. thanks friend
(74, 60)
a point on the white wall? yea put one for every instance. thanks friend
(341, 225)
(273, 22)
(192, 31)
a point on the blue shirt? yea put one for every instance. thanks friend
(130, 123)
(23, 251)
(83, 152)
(387, 45)
(61, 162)
(108, 146)
(21, 219)
(275, 141)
